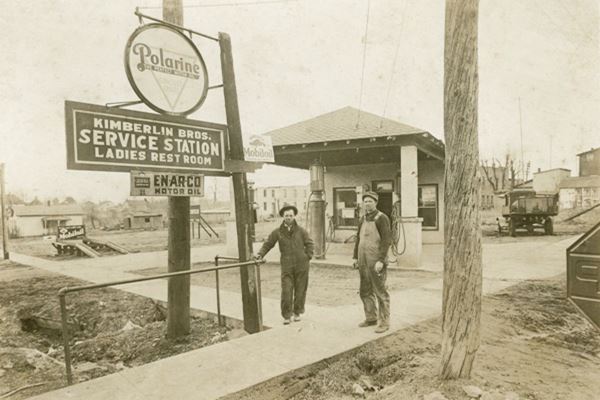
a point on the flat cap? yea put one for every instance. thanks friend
(372, 195)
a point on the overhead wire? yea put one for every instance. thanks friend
(397, 51)
(362, 77)
(235, 4)
(397, 226)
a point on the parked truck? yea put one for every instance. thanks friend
(526, 209)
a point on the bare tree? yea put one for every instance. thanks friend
(489, 171)
(462, 234)
(496, 173)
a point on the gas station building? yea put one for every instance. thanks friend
(349, 152)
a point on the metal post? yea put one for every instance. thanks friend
(217, 287)
(252, 212)
(65, 335)
(218, 298)
(250, 299)
(3, 221)
(259, 294)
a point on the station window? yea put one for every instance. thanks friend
(264, 192)
(146, 220)
(272, 192)
(428, 206)
(345, 212)
(265, 206)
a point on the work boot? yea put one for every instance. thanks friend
(382, 328)
(297, 317)
(286, 321)
(366, 323)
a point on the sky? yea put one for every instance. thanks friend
(539, 63)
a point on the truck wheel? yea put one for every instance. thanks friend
(549, 227)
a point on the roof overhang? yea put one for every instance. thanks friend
(374, 150)
(62, 218)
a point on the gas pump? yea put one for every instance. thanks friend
(396, 221)
(316, 208)
(359, 192)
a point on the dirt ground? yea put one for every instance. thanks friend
(328, 285)
(534, 344)
(112, 330)
(156, 240)
(133, 240)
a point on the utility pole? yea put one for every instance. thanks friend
(178, 308)
(3, 215)
(550, 154)
(461, 302)
(250, 279)
(521, 132)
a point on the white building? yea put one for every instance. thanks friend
(548, 181)
(579, 192)
(270, 199)
(42, 220)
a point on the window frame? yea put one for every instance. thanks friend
(335, 211)
(437, 207)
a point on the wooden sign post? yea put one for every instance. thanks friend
(249, 277)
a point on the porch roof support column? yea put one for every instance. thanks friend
(409, 179)
(409, 228)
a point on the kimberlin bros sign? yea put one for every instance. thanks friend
(166, 70)
(108, 139)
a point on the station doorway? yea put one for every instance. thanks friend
(385, 190)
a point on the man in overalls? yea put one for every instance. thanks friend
(370, 257)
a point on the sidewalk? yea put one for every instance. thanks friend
(217, 370)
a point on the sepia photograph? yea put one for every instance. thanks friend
(300, 200)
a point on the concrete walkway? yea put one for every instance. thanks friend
(227, 367)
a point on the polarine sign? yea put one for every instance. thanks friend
(166, 69)
(166, 184)
(105, 139)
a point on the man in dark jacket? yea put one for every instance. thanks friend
(370, 257)
(296, 249)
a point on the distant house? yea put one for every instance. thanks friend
(212, 216)
(589, 162)
(143, 220)
(495, 181)
(579, 192)
(41, 220)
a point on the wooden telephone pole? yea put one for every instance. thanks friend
(178, 316)
(3, 221)
(178, 321)
(461, 305)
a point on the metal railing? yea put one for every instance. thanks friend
(63, 292)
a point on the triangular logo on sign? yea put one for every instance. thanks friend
(171, 86)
